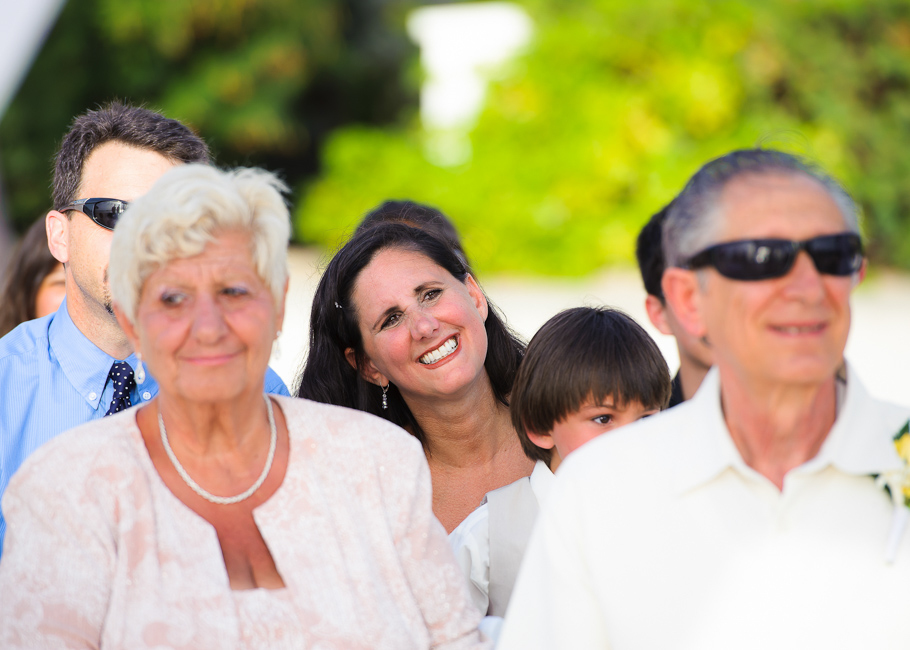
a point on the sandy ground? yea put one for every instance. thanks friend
(878, 347)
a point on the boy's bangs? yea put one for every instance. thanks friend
(589, 354)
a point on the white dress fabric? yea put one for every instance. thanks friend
(100, 553)
(660, 536)
(267, 619)
(471, 539)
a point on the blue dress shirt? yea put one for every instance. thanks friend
(53, 378)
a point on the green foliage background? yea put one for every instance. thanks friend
(616, 104)
(596, 126)
(263, 81)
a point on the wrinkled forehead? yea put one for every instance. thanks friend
(778, 205)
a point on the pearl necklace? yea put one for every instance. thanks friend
(208, 496)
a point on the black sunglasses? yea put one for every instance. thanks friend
(763, 259)
(104, 212)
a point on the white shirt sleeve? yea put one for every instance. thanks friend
(471, 543)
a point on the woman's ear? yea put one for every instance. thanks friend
(127, 326)
(279, 313)
(477, 295)
(684, 297)
(368, 371)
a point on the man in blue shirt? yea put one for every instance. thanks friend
(58, 372)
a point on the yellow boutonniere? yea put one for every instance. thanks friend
(898, 481)
(902, 443)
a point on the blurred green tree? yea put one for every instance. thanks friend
(616, 104)
(263, 81)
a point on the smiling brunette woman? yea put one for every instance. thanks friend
(400, 329)
(214, 516)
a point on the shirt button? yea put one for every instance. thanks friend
(92, 396)
(146, 395)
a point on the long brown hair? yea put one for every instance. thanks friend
(30, 264)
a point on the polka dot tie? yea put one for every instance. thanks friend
(122, 376)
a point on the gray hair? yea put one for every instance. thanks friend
(187, 208)
(694, 217)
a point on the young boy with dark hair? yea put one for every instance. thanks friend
(587, 371)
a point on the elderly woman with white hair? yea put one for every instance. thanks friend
(215, 516)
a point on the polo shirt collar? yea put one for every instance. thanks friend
(708, 447)
(541, 481)
(85, 365)
(855, 445)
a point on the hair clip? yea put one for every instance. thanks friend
(337, 306)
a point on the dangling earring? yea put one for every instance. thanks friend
(140, 371)
(276, 348)
(385, 396)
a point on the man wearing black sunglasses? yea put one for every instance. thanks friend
(76, 365)
(749, 516)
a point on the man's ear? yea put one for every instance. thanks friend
(477, 295)
(684, 296)
(860, 275)
(368, 371)
(657, 314)
(542, 440)
(57, 226)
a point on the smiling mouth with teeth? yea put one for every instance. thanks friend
(440, 353)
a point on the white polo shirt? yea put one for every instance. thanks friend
(660, 536)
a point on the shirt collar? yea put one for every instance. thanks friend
(541, 481)
(708, 449)
(859, 442)
(85, 365)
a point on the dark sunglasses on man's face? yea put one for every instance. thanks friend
(764, 259)
(104, 212)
